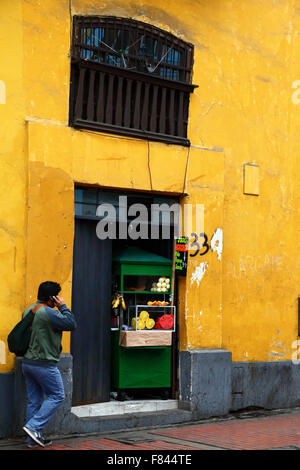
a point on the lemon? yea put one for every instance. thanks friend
(141, 324)
(150, 323)
(144, 315)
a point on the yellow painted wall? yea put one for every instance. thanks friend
(13, 172)
(245, 110)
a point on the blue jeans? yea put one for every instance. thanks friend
(41, 381)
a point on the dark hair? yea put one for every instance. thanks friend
(47, 289)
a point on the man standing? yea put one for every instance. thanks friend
(39, 364)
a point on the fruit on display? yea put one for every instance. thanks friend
(144, 315)
(143, 321)
(123, 303)
(150, 323)
(165, 322)
(118, 300)
(140, 324)
(158, 303)
(162, 285)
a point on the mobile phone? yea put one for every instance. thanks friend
(52, 298)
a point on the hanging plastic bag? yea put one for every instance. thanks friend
(165, 322)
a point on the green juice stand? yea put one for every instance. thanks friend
(141, 367)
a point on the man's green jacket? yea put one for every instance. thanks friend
(47, 327)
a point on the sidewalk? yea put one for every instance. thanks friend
(256, 430)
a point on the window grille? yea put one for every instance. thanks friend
(130, 78)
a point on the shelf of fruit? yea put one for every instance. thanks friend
(161, 321)
(162, 285)
(143, 321)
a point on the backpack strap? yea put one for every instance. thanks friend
(35, 309)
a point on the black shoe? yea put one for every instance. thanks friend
(47, 442)
(35, 436)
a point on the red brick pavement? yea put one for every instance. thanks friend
(253, 434)
(239, 434)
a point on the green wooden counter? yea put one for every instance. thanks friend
(139, 367)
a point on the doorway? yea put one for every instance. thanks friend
(92, 294)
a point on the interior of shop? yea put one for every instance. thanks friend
(143, 333)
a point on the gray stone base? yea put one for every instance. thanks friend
(210, 385)
(7, 381)
(269, 385)
(205, 382)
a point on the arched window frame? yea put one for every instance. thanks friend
(130, 78)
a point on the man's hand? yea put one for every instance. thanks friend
(59, 301)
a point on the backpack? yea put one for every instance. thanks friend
(19, 337)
